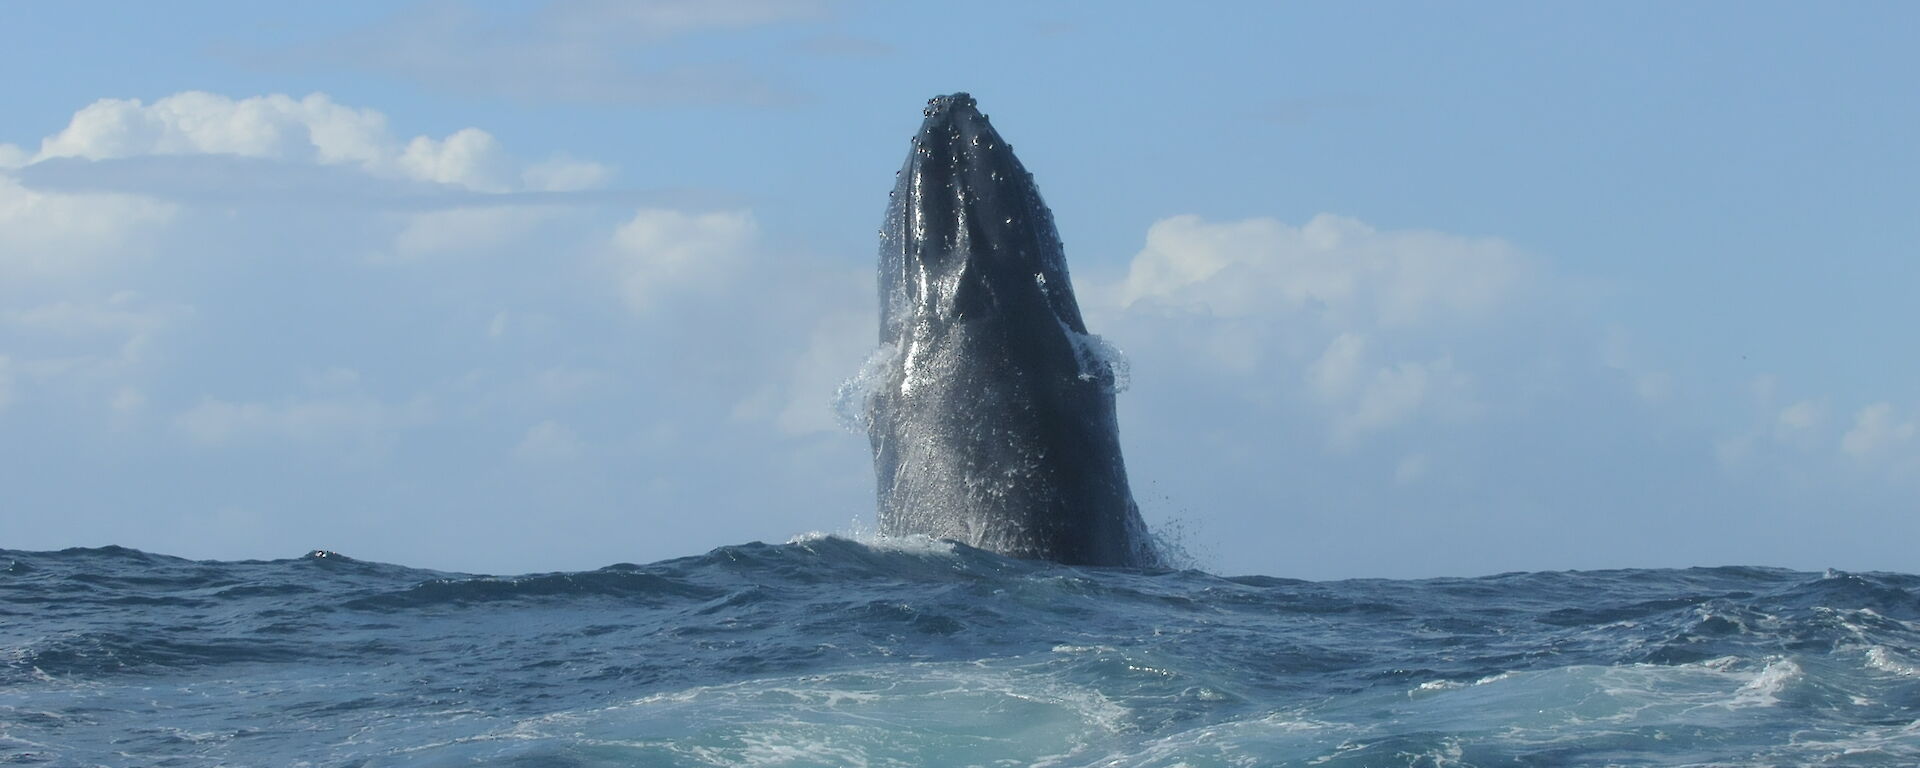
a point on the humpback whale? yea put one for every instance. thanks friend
(991, 413)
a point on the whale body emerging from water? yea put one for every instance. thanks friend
(992, 409)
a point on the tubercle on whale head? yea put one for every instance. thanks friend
(967, 235)
(942, 104)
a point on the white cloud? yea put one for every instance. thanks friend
(47, 235)
(549, 441)
(565, 174)
(1366, 398)
(1876, 431)
(840, 341)
(469, 158)
(1336, 372)
(1395, 394)
(1651, 386)
(198, 123)
(12, 156)
(126, 318)
(1335, 267)
(1786, 439)
(1800, 417)
(99, 191)
(311, 130)
(465, 230)
(660, 253)
(1366, 316)
(88, 346)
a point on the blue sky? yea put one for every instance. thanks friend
(1407, 290)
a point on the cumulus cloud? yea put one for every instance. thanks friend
(1804, 433)
(311, 130)
(1876, 431)
(50, 235)
(799, 400)
(1358, 312)
(143, 194)
(1335, 267)
(122, 171)
(659, 253)
(1651, 386)
(1338, 370)
(1365, 398)
(88, 342)
(459, 230)
(469, 158)
(1800, 417)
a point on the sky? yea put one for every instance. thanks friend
(1406, 290)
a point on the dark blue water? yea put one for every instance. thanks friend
(828, 651)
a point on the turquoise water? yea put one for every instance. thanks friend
(829, 651)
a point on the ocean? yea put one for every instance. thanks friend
(832, 651)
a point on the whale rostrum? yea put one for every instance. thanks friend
(991, 412)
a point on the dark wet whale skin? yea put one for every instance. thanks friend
(992, 424)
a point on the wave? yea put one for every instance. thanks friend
(915, 651)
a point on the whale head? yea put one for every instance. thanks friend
(967, 237)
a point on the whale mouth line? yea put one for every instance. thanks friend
(991, 414)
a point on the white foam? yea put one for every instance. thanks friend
(1765, 687)
(1003, 712)
(919, 544)
(1101, 361)
(1885, 660)
(851, 398)
(1431, 686)
(1721, 663)
(1493, 678)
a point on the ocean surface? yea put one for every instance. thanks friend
(831, 651)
